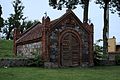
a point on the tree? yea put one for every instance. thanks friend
(98, 52)
(15, 19)
(24, 26)
(1, 19)
(115, 4)
(71, 4)
(106, 5)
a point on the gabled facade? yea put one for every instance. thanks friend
(65, 41)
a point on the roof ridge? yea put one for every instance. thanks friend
(65, 14)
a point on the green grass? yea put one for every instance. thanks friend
(32, 73)
(6, 48)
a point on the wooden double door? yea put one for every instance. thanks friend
(70, 50)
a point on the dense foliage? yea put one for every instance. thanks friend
(117, 59)
(114, 5)
(15, 19)
(71, 4)
(98, 52)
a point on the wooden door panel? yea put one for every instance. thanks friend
(70, 50)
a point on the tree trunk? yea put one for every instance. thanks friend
(8, 34)
(86, 6)
(106, 29)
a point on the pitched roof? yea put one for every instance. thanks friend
(32, 33)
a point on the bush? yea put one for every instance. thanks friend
(98, 53)
(98, 58)
(36, 62)
(117, 59)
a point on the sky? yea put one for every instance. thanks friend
(35, 9)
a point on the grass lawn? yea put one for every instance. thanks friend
(6, 48)
(33, 73)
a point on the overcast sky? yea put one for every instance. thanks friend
(35, 9)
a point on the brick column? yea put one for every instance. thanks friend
(44, 45)
(91, 46)
(45, 23)
(16, 36)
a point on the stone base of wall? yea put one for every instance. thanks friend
(50, 65)
(15, 62)
(55, 65)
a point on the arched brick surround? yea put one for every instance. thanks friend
(76, 35)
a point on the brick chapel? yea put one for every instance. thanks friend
(65, 41)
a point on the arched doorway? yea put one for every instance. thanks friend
(70, 49)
